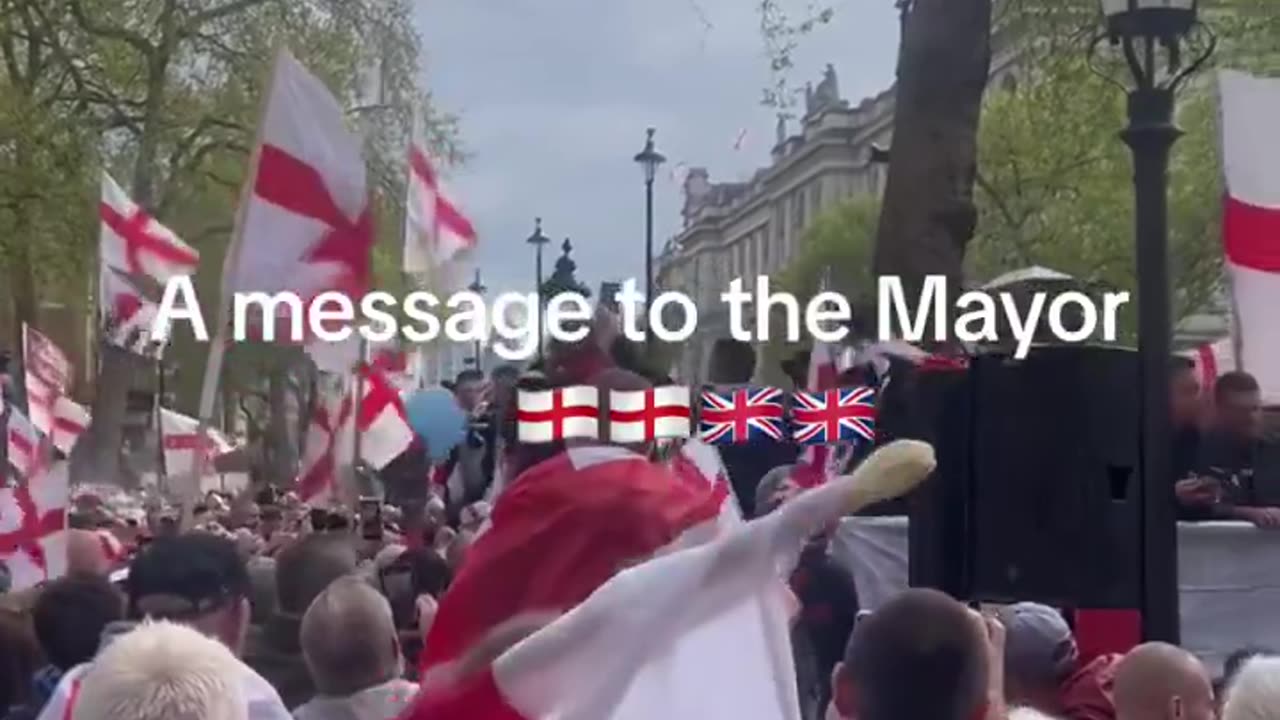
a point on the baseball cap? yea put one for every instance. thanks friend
(186, 576)
(1038, 642)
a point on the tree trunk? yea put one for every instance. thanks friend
(281, 450)
(105, 434)
(928, 215)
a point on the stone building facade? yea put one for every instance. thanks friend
(753, 228)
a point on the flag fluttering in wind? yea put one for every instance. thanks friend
(133, 246)
(330, 442)
(436, 231)
(306, 226)
(617, 656)
(70, 421)
(181, 439)
(48, 376)
(1251, 220)
(33, 512)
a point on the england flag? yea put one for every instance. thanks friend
(544, 416)
(646, 415)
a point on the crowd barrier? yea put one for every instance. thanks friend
(1229, 575)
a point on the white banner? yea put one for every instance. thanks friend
(1229, 574)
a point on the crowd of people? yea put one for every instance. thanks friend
(258, 607)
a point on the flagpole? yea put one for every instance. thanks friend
(359, 400)
(162, 470)
(221, 335)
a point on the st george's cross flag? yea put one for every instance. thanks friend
(70, 421)
(329, 445)
(181, 441)
(560, 530)
(615, 656)
(48, 377)
(544, 416)
(318, 472)
(436, 231)
(306, 226)
(1251, 220)
(134, 246)
(33, 511)
(135, 243)
(642, 416)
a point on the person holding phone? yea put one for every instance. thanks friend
(1224, 484)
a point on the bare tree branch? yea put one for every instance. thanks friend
(112, 32)
(217, 13)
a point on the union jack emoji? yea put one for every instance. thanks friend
(741, 416)
(834, 416)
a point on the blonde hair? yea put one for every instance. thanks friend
(1255, 692)
(162, 671)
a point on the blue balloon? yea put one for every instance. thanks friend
(434, 414)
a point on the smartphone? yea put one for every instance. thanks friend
(397, 586)
(319, 519)
(371, 518)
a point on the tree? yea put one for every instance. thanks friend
(1054, 181)
(928, 215)
(834, 253)
(172, 89)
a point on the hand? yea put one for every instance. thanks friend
(1267, 518)
(425, 608)
(1198, 492)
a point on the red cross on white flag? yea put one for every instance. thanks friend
(48, 374)
(306, 226)
(33, 522)
(135, 243)
(70, 420)
(645, 415)
(435, 231)
(181, 440)
(544, 416)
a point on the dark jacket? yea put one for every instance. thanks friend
(828, 608)
(274, 652)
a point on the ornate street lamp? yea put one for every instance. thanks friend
(478, 288)
(538, 241)
(1162, 43)
(649, 160)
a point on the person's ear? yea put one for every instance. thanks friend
(843, 694)
(1176, 709)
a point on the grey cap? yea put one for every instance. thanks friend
(1039, 645)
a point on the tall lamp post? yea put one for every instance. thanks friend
(1162, 43)
(649, 159)
(478, 288)
(538, 241)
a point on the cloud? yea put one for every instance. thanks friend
(555, 95)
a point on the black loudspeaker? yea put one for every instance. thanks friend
(941, 408)
(1037, 496)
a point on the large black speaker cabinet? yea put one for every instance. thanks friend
(1037, 496)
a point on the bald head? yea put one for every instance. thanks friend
(86, 554)
(348, 638)
(1157, 681)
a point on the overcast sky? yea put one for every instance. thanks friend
(554, 97)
